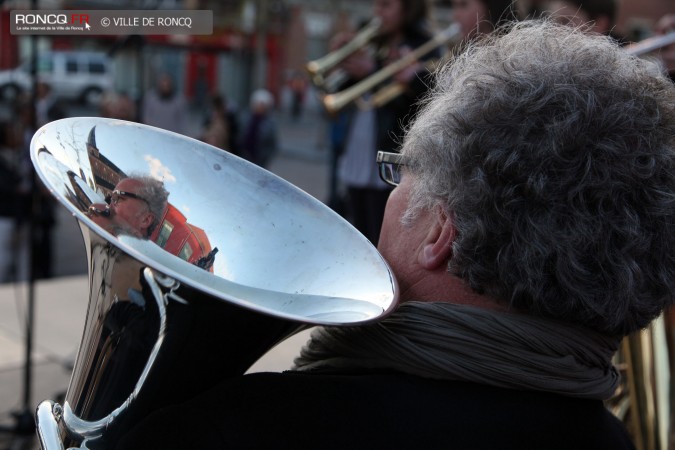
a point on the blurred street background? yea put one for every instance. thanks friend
(200, 86)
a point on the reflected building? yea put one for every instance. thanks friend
(179, 237)
(106, 174)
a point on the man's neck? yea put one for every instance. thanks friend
(442, 286)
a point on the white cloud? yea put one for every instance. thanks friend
(158, 170)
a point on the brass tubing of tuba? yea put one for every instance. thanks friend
(646, 386)
(319, 68)
(337, 101)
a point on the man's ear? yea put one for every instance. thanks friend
(147, 220)
(437, 248)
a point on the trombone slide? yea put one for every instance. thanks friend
(318, 68)
(335, 102)
(651, 44)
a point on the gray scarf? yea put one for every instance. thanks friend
(457, 342)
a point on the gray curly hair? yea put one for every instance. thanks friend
(554, 152)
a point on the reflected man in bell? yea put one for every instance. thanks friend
(134, 207)
(130, 325)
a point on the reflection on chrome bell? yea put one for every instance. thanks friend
(189, 289)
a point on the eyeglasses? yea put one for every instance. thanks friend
(390, 167)
(114, 198)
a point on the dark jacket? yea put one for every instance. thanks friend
(378, 411)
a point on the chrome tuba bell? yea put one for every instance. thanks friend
(238, 260)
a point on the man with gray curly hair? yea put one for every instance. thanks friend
(135, 206)
(530, 230)
(552, 174)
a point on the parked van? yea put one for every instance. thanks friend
(73, 75)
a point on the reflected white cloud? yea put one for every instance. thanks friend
(159, 170)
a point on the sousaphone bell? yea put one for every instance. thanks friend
(239, 261)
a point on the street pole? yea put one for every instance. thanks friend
(260, 74)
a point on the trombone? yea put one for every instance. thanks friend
(650, 44)
(318, 69)
(334, 102)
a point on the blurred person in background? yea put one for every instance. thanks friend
(164, 107)
(475, 18)
(12, 200)
(258, 142)
(405, 25)
(220, 126)
(298, 88)
(599, 16)
(36, 217)
(480, 17)
(118, 105)
(47, 107)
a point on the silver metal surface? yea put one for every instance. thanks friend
(161, 328)
(281, 251)
(48, 427)
(93, 429)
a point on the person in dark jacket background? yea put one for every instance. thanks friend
(259, 141)
(404, 26)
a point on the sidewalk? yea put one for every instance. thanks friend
(60, 303)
